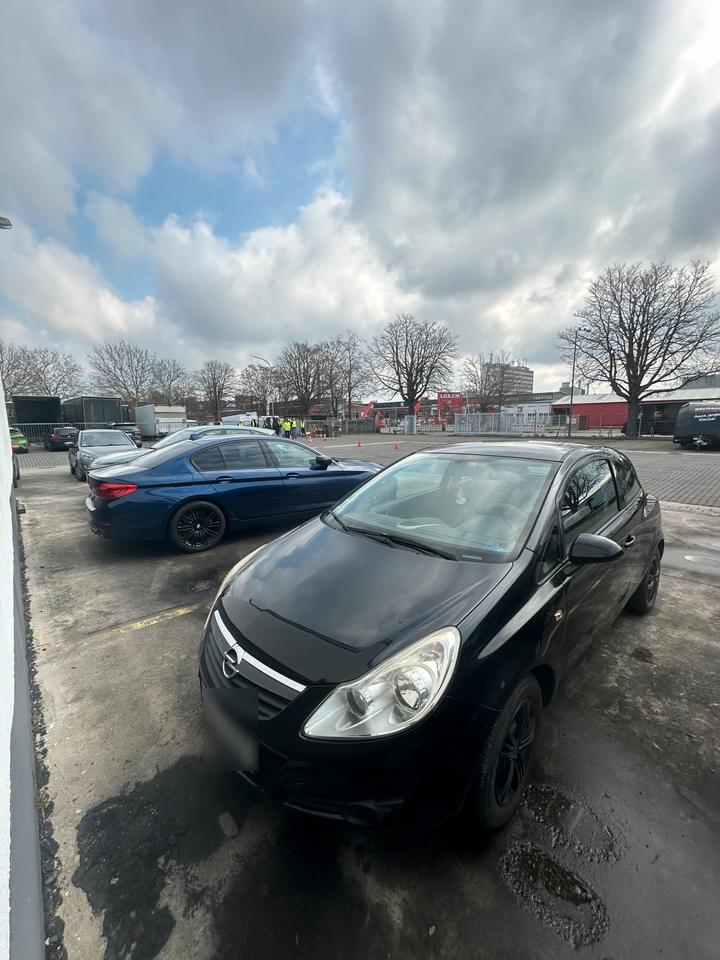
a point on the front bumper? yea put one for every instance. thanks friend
(418, 778)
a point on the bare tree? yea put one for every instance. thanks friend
(490, 378)
(257, 380)
(53, 373)
(216, 380)
(411, 356)
(331, 380)
(13, 368)
(124, 369)
(300, 372)
(646, 329)
(353, 359)
(170, 379)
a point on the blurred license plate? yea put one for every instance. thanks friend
(233, 715)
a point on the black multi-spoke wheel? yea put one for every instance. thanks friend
(197, 526)
(515, 753)
(643, 600)
(506, 758)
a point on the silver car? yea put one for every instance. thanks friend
(188, 433)
(92, 444)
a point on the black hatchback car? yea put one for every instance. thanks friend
(391, 659)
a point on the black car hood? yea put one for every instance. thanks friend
(322, 605)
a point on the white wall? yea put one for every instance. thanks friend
(7, 673)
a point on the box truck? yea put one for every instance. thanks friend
(157, 420)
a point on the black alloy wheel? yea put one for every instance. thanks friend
(79, 471)
(515, 753)
(197, 526)
(506, 759)
(643, 600)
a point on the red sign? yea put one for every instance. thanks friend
(450, 398)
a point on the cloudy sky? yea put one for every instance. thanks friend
(214, 179)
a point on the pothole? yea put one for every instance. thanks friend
(559, 898)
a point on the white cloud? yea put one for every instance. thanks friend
(63, 294)
(312, 278)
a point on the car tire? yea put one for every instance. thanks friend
(72, 469)
(643, 600)
(197, 526)
(80, 473)
(505, 764)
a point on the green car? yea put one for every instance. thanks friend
(18, 439)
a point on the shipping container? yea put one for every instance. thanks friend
(37, 409)
(90, 411)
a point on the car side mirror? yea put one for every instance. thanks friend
(323, 462)
(589, 548)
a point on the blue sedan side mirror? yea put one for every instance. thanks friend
(323, 462)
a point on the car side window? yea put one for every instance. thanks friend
(209, 459)
(590, 498)
(292, 454)
(243, 455)
(628, 483)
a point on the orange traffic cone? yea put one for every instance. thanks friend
(359, 443)
(397, 444)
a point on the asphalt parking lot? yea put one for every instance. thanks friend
(150, 853)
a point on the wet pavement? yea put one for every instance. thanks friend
(151, 853)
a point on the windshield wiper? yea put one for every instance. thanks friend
(338, 521)
(420, 547)
(392, 540)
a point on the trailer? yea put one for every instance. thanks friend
(35, 416)
(85, 412)
(37, 409)
(698, 425)
(157, 420)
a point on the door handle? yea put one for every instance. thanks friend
(224, 479)
(292, 476)
(629, 541)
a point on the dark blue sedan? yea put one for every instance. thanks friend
(192, 492)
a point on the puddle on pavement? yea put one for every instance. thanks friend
(559, 898)
(572, 823)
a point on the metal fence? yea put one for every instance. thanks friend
(510, 424)
(334, 427)
(39, 432)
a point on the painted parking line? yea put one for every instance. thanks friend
(152, 621)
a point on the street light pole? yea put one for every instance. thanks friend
(572, 383)
(268, 401)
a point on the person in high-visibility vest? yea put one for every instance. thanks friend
(293, 428)
(302, 427)
(286, 426)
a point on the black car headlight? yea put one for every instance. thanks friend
(392, 696)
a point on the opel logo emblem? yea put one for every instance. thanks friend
(231, 661)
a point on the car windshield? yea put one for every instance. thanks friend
(477, 507)
(105, 438)
(189, 432)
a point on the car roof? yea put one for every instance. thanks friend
(525, 449)
(210, 438)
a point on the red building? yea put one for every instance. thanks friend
(594, 410)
